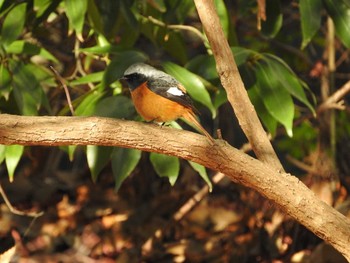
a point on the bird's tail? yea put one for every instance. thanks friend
(191, 117)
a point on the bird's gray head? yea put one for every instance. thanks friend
(140, 68)
(139, 73)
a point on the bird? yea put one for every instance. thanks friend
(159, 97)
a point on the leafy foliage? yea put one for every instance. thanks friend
(92, 42)
(98, 40)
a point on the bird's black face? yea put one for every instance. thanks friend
(134, 80)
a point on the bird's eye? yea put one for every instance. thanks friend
(132, 76)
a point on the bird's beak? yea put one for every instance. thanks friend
(124, 81)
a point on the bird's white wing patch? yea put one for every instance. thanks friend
(175, 91)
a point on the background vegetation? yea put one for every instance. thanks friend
(292, 58)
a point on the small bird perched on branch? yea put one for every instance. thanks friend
(159, 97)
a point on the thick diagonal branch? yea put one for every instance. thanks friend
(233, 84)
(284, 189)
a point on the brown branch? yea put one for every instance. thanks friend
(16, 211)
(192, 29)
(285, 190)
(335, 99)
(301, 165)
(233, 84)
(189, 205)
(182, 211)
(261, 14)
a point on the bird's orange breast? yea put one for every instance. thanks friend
(153, 107)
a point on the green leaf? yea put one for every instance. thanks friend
(40, 6)
(1, 3)
(304, 140)
(75, 11)
(286, 77)
(245, 58)
(166, 166)
(183, 9)
(119, 107)
(193, 84)
(90, 78)
(71, 150)
(103, 17)
(13, 24)
(44, 79)
(242, 55)
(125, 7)
(220, 98)
(346, 2)
(97, 158)
(203, 65)
(94, 103)
(129, 36)
(6, 5)
(22, 47)
(94, 16)
(124, 162)
(158, 4)
(276, 98)
(104, 50)
(173, 43)
(340, 13)
(310, 16)
(203, 173)
(269, 122)
(45, 9)
(43, 74)
(13, 154)
(88, 106)
(148, 29)
(5, 82)
(26, 88)
(2, 153)
(274, 18)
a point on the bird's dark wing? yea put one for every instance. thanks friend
(171, 89)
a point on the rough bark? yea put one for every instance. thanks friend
(284, 189)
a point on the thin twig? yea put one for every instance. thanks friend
(335, 99)
(301, 165)
(16, 211)
(182, 211)
(179, 27)
(343, 57)
(261, 14)
(195, 199)
(78, 66)
(331, 82)
(337, 106)
(63, 83)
